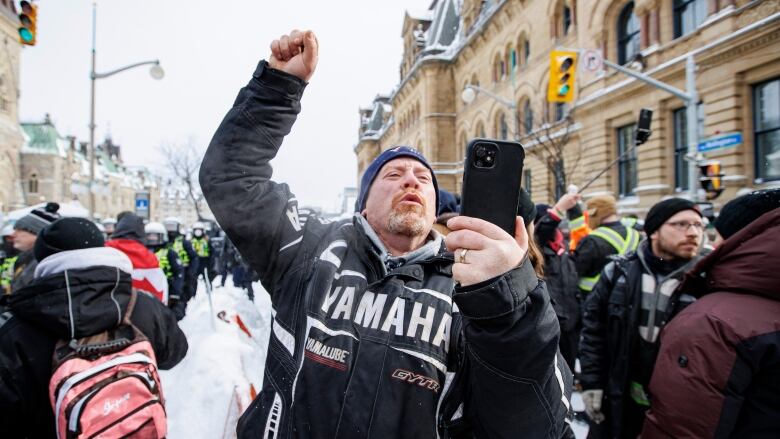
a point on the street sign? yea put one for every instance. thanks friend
(722, 141)
(592, 60)
(142, 207)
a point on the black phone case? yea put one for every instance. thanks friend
(492, 193)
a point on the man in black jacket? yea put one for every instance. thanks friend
(623, 315)
(80, 288)
(371, 336)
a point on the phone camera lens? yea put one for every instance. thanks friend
(480, 163)
(480, 151)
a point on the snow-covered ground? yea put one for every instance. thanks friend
(210, 388)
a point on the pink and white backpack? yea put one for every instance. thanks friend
(107, 385)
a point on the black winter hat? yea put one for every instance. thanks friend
(741, 211)
(663, 210)
(67, 234)
(526, 207)
(129, 226)
(36, 220)
(448, 202)
(541, 211)
(375, 166)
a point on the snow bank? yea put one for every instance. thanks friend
(213, 385)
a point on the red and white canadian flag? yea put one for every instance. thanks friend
(147, 274)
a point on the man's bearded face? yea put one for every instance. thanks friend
(402, 199)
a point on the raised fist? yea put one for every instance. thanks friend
(295, 54)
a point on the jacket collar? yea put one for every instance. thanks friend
(429, 250)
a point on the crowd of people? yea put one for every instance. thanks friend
(407, 320)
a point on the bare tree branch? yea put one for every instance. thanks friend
(551, 140)
(183, 161)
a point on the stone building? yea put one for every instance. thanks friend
(10, 133)
(175, 203)
(503, 47)
(56, 168)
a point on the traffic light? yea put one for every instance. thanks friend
(563, 65)
(711, 178)
(27, 20)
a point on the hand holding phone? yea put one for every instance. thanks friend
(482, 250)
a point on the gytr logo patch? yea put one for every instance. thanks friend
(416, 379)
(326, 355)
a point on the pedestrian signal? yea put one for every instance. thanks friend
(27, 21)
(563, 65)
(711, 178)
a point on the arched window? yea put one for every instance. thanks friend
(628, 34)
(474, 80)
(497, 67)
(463, 142)
(480, 132)
(528, 117)
(566, 17)
(512, 59)
(526, 51)
(502, 128)
(33, 183)
(688, 15)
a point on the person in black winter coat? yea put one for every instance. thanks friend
(561, 277)
(80, 288)
(382, 328)
(633, 300)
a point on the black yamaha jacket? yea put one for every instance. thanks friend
(363, 346)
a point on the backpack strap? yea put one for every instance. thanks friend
(130, 307)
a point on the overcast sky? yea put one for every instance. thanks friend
(209, 50)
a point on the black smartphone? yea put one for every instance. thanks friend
(491, 181)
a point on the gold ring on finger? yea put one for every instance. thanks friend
(462, 255)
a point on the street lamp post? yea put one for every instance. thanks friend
(156, 72)
(470, 93)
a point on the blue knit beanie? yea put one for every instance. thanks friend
(376, 165)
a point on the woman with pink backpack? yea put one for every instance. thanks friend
(79, 348)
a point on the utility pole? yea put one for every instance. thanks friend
(156, 72)
(690, 97)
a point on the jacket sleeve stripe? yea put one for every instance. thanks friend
(297, 241)
(285, 338)
(433, 293)
(314, 323)
(349, 273)
(559, 377)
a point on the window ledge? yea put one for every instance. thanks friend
(628, 200)
(596, 194)
(767, 184)
(652, 188)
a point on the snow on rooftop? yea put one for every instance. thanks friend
(420, 15)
